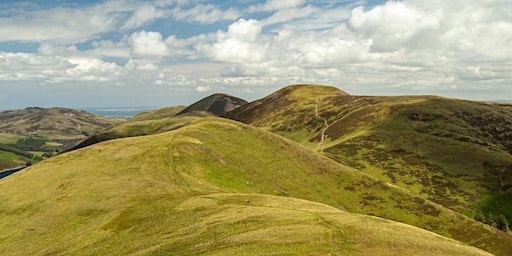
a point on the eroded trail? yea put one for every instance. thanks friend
(317, 107)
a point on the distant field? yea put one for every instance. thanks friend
(10, 160)
(6, 138)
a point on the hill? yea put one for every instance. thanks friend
(147, 123)
(217, 104)
(220, 187)
(33, 133)
(166, 119)
(457, 153)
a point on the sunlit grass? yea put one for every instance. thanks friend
(172, 192)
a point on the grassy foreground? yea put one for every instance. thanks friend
(218, 187)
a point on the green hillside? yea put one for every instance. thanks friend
(167, 119)
(219, 187)
(454, 152)
(147, 123)
(32, 134)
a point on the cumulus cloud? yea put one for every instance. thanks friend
(241, 43)
(146, 43)
(410, 46)
(395, 25)
(26, 66)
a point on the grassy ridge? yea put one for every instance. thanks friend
(450, 151)
(158, 194)
(146, 123)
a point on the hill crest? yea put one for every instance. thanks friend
(217, 104)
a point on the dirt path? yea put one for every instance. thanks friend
(325, 123)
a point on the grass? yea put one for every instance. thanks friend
(175, 192)
(10, 160)
(147, 123)
(7, 138)
(57, 126)
(452, 152)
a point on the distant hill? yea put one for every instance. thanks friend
(457, 153)
(220, 187)
(56, 123)
(31, 134)
(147, 123)
(167, 119)
(217, 104)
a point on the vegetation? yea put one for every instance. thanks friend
(452, 152)
(176, 190)
(37, 133)
(204, 185)
(146, 123)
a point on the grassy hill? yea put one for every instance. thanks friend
(454, 152)
(30, 134)
(167, 119)
(219, 187)
(147, 123)
(217, 104)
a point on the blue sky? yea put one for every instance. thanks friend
(170, 52)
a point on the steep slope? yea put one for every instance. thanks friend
(177, 190)
(450, 151)
(29, 134)
(217, 104)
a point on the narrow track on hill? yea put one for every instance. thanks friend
(325, 123)
(171, 163)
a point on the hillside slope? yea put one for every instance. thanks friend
(55, 123)
(175, 191)
(217, 104)
(29, 134)
(166, 119)
(147, 123)
(453, 152)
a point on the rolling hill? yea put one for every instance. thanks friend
(29, 134)
(216, 104)
(454, 152)
(166, 119)
(193, 191)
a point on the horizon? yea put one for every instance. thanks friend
(141, 108)
(118, 53)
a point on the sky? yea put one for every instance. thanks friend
(125, 53)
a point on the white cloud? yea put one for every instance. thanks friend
(273, 5)
(26, 66)
(143, 15)
(287, 15)
(410, 46)
(110, 49)
(395, 25)
(241, 43)
(64, 25)
(46, 49)
(148, 44)
(205, 14)
(204, 88)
